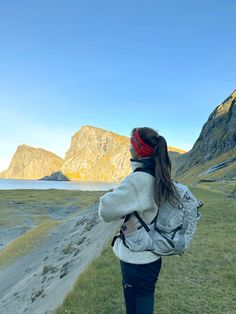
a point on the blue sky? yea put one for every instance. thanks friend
(114, 65)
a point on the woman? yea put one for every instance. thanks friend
(144, 191)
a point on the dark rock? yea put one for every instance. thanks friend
(49, 269)
(207, 180)
(44, 279)
(68, 249)
(81, 222)
(36, 294)
(65, 265)
(81, 240)
(56, 176)
(64, 272)
(77, 252)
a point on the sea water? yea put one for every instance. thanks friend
(12, 184)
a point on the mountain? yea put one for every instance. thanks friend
(96, 154)
(217, 172)
(217, 138)
(32, 163)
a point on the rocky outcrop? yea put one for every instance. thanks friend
(217, 137)
(32, 163)
(56, 176)
(98, 155)
(95, 154)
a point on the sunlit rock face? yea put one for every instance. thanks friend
(217, 137)
(97, 155)
(32, 163)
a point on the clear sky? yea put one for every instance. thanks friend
(114, 65)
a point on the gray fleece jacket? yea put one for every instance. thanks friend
(135, 193)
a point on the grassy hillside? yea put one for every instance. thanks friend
(200, 172)
(203, 280)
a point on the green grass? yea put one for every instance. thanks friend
(98, 288)
(198, 172)
(203, 280)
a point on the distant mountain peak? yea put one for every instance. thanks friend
(225, 106)
(175, 149)
(32, 163)
(95, 154)
(91, 128)
(35, 150)
(88, 129)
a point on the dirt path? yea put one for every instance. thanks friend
(38, 282)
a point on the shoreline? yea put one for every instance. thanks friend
(23, 210)
(39, 281)
(28, 184)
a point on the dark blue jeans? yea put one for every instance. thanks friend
(139, 285)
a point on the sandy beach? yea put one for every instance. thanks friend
(38, 282)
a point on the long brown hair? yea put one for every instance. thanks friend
(164, 189)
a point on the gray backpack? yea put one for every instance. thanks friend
(172, 229)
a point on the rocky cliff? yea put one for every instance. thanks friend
(217, 137)
(95, 154)
(98, 155)
(32, 163)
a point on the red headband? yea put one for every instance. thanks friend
(141, 148)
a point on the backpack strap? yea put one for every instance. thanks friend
(144, 225)
(141, 222)
(121, 234)
(151, 172)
